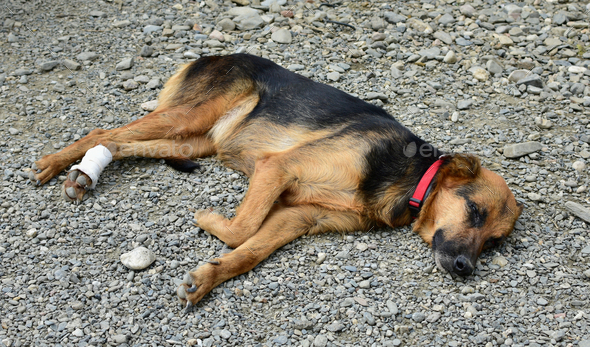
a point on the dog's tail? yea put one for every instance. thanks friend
(182, 164)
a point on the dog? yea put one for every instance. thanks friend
(318, 160)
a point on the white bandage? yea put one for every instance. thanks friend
(94, 161)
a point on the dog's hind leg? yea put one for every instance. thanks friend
(281, 226)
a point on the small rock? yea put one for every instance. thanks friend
(493, 67)
(578, 210)
(217, 35)
(542, 302)
(320, 341)
(226, 24)
(31, 232)
(335, 327)
(148, 29)
(70, 64)
(130, 84)
(138, 259)
(120, 339)
(531, 79)
(450, 57)
(87, 56)
(579, 165)
(47, 65)
(467, 10)
(149, 105)
(321, 258)
(505, 40)
(281, 36)
(241, 2)
(125, 64)
(295, 67)
(444, 37)
(517, 75)
(480, 74)
(333, 76)
(121, 23)
(146, 51)
(500, 261)
(521, 149)
(153, 83)
(418, 317)
(464, 104)
(543, 123)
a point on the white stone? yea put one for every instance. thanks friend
(480, 74)
(31, 232)
(500, 261)
(281, 36)
(579, 165)
(450, 57)
(577, 69)
(150, 105)
(138, 259)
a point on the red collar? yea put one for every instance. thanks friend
(423, 188)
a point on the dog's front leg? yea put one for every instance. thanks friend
(282, 225)
(268, 182)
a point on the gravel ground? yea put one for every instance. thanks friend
(509, 82)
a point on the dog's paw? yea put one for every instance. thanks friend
(197, 284)
(75, 186)
(42, 171)
(210, 221)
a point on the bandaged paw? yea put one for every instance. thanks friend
(94, 161)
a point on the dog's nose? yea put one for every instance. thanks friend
(462, 266)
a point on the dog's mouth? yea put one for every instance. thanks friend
(450, 256)
(457, 265)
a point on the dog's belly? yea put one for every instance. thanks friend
(325, 170)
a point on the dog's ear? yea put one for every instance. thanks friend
(458, 169)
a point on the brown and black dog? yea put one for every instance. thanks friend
(318, 160)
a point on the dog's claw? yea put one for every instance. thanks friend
(38, 182)
(192, 289)
(195, 223)
(214, 262)
(189, 306)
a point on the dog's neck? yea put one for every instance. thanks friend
(393, 208)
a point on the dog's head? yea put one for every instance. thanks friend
(470, 209)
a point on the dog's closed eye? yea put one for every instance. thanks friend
(493, 242)
(477, 216)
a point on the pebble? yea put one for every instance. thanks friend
(71, 64)
(226, 24)
(149, 105)
(282, 36)
(130, 84)
(124, 64)
(333, 76)
(579, 166)
(146, 51)
(578, 210)
(47, 65)
(450, 57)
(138, 259)
(87, 56)
(520, 149)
